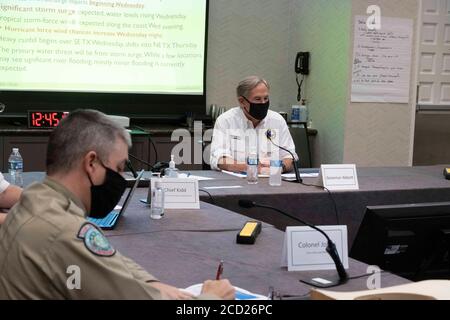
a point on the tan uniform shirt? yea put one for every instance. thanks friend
(47, 245)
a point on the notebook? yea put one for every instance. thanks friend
(241, 294)
(110, 220)
(304, 173)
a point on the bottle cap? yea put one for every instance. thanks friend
(172, 162)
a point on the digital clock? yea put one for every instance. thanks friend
(45, 119)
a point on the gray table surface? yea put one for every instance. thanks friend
(378, 186)
(185, 247)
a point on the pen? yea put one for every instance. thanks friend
(271, 293)
(219, 270)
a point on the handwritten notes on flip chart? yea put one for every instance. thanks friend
(382, 61)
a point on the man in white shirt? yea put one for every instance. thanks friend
(244, 128)
(9, 195)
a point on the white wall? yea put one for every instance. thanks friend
(248, 37)
(322, 28)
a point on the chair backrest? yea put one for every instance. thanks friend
(299, 134)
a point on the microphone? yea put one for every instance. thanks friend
(140, 160)
(130, 166)
(331, 247)
(269, 135)
(157, 167)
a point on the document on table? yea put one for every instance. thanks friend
(222, 187)
(304, 173)
(190, 176)
(243, 174)
(241, 294)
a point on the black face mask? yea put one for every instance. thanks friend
(258, 110)
(104, 197)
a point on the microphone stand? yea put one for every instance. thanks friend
(331, 247)
(130, 166)
(141, 161)
(294, 162)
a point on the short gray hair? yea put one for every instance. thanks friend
(82, 131)
(248, 84)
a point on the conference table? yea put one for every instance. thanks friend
(185, 247)
(377, 186)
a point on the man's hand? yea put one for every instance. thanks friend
(264, 166)
(171, 293)
(229, 164)
(220, 288)
(288, 165)
(10, 196)
(2, 218)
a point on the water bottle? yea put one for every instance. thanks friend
(157, 204)
(15, 163)
(295, 115)
(252, 167)
(276, 166)
(303, 112)
(171, 171)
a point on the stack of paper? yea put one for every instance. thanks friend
(422, 290)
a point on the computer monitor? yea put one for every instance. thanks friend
(411, 240)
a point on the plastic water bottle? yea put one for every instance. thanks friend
(303, 112)
(252, 167)
(295, 115)
(157, 204)
(15, 163)
(276, 166)
(171, 171)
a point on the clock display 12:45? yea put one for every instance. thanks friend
(45, 119)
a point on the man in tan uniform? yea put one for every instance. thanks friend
(48, 250)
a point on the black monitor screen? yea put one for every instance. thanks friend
(411, 240)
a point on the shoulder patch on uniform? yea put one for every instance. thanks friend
(95, 241)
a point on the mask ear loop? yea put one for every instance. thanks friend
(246, 99)
(247, 111)
(90, 180)
(101, 163)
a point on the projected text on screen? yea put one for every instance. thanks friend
(128, 46)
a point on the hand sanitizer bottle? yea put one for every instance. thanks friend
(171, 172)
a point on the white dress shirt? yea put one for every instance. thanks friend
(234, 136)
(3, 183)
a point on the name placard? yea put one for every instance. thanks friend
(305, 248)
(179, 193)
(339, 177)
